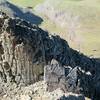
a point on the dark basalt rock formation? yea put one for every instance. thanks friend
(25, 49)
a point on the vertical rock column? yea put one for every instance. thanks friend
(17, 59)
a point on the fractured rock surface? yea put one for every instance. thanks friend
(20, 47)
(25, 49)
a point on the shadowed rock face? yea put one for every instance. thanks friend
(25, 49)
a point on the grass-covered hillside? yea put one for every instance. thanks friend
(81, 18)
(26, 3)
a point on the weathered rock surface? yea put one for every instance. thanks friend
(68, 79)
(21, 44)
(25, 49)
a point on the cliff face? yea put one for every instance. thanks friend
(25, 49)
(19, 44)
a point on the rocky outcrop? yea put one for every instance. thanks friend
(21, 44)
(68, 79)
(75, 79)
(25, 49)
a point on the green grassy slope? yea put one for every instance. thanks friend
(89, 31)
(26, 3)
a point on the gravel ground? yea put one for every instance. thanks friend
(35, 91)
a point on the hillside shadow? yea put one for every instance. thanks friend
(22, 13)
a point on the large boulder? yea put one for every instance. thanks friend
(71, 79)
